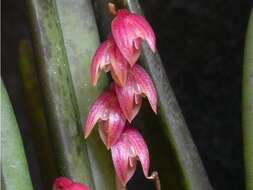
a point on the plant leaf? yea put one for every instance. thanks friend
(81, 40)
(36, 113)
(57, 87)
(173, 152)
(14, 174)
(247, 104)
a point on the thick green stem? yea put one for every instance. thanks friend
(247, 103)
(15, 173)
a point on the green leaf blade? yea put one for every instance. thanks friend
(58, 92)
(81, 39)
(247, 104)
(36, 114)
(15, 173)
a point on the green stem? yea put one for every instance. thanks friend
(15, 173)
(155, 178)
(247, 105)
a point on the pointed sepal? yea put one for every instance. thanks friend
(107, 112)
(138, 84)
(129, 31)
(130, 148)
(109, 58)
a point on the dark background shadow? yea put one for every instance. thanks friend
(201, 44)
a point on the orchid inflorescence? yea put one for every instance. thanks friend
(116, 108)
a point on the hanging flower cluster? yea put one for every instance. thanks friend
(63, 183)
(116, 108)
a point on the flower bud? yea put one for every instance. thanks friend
(129, 30)
(107, 112)
(130, 148)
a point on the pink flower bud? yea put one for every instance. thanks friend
(138, 84)
(130, 148)
(109, 58)
(107, 112)
(63, 183)
(129, 30)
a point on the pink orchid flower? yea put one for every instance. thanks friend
(63, 183)
(130, 148)
(129, 30)
(138, 84)
(107, 112)
(109, 58)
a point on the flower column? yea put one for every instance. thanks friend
(116, 108)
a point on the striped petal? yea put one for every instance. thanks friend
(98, 111)
(125, 153)
(129, 30)
(109, 58)
(138, 84)
(106, 110)
(128, 98)
(146, 85)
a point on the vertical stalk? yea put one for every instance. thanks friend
(247, 105)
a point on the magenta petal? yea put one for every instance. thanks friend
(129, 30)
(138, 84)
(109, 58)
(62, 183)
(78, 186)
(100, 60)
(126, 97)
(141, 149)
(125, 153)
(119, 65)
(120, 156)
(144, 29)
(110, 131)
(99, 110)
(145, 83)
(116, 125)
(106, 110)
(103, 133)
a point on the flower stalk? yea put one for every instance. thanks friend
(155, 178)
